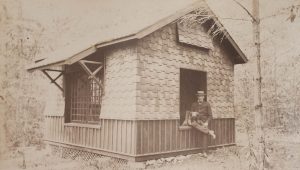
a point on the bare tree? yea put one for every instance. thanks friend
(21, 38)
(258, 109)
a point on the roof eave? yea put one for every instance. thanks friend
(140, 34)
(68, 61)
(243, 58)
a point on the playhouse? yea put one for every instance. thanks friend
(124, 92)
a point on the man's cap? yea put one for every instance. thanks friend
(200, 93)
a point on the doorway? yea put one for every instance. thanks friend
(191, 81)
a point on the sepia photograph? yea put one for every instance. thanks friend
(149, 84)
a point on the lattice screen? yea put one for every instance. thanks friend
(101, 162)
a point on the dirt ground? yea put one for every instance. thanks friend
(283, 153)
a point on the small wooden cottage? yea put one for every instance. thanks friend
(126, 89)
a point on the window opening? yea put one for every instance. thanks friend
(85, 89)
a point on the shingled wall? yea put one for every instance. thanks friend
(142, 77)
(160, 57)
(119, 100)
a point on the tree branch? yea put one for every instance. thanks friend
(253, 18)
(239, 19)
(281, 11)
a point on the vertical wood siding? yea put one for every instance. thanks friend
(155, 136)
(138, 137)
(114, 135)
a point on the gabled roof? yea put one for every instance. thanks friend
(118, 24)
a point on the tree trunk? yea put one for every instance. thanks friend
(3, 108)
(258, 112)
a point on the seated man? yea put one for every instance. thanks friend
(201, 115)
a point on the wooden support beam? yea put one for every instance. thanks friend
(54, 80)
(85, 68)
(53, 70)
(97, 70)
(56, 77)
(91, 62)
(92, 75)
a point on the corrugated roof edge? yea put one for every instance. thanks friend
(138, 35)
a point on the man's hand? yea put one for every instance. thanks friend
(194, 114)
